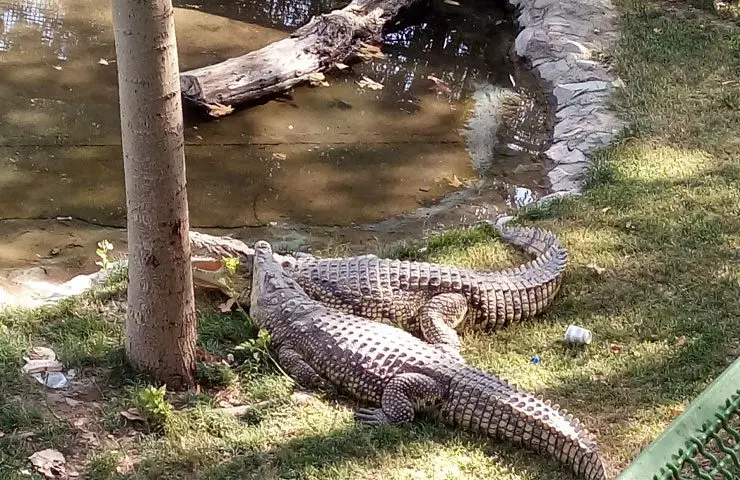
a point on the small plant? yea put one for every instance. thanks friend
(154, 405)
(216, 375)
(257, 348)
(104, 246)
(229, 282)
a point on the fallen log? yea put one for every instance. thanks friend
(326, 42)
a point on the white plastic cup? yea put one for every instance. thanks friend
(578, 335)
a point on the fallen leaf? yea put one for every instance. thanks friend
(49, 463)
(615, 348)
(681, 341)
(367, 52)
(57, 67)
(132, 414)
(102, 61)
(72, 402)
(439, 85)
(219, 110)
(341, 66)
(89, 438)
(279, 156)
(226, 306)
(605, 209)
(676, 410)
(593, 266)
(317, 79)
(455, 182)
(369, 83)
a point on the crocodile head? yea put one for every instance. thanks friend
(214, 273)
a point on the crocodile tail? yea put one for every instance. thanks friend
(483, 403)
(550, 256)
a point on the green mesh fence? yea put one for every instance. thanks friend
(702, 443)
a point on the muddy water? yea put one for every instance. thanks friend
(326, 158)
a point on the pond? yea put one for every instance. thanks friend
(456, 129)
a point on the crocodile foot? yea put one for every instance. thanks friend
(372, 416)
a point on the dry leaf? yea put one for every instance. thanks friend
(605, 209)
(439, 85)
(72, 402)
(317, 79)
(49, 463)
(599, 270)
(226, 306)
(615, 348)
(367, 52)
(369, 83)
(341, 66)
(219, 110)
(132, 414)
(455, 182)
(279, 156)
(681, 341)
(676, 410)
(102, 61)
(89, 438)
(57, 67)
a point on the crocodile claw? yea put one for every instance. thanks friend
(372, 416)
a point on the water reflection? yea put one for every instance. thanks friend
(43, 17)
(322, 156)
(282, 14)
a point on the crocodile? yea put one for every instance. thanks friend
(432, 301)
(396, 375)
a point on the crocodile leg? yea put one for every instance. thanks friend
(403, 395)
(301, 371)
(439, 318)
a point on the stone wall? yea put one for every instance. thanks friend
(563, 40)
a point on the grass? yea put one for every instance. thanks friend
(661, 217)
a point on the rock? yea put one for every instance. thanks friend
(559, 38)
(567, 91)
(560, 154)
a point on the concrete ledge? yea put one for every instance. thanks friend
(562, 39)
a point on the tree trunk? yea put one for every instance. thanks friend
(160, 325)
(335, 37)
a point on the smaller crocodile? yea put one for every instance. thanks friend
(400, 375)
(431, 301)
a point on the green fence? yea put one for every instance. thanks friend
(702, 443)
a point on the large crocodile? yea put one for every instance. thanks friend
(429, 300)
(400, 375)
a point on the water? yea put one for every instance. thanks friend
(330, 157)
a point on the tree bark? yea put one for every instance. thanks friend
(160, 325)
(335, 37)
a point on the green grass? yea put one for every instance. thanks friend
(661, 216)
